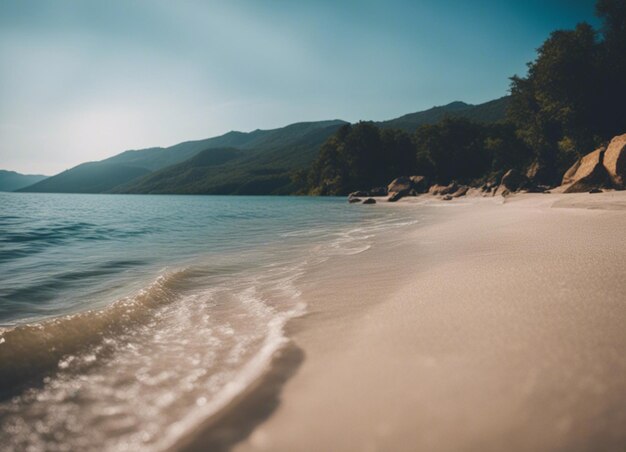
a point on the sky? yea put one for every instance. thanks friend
(85, 80)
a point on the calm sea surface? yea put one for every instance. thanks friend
(134, 318)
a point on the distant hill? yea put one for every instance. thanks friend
(489, 112)
(111, 174)
(263, 165)
(90, 177)
(257, 162)
(11, 181)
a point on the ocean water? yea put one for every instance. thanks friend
(125, 321)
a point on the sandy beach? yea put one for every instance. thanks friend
(498, 326)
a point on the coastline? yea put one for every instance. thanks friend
(498, 326)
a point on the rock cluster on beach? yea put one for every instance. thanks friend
(604, 168)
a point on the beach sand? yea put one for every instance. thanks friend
(500, 325)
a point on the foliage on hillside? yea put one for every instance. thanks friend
(364, 156)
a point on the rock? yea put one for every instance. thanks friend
(443, 189)
(462, 191)
(513, 181)
(354, 200)
(404, 185)
(435, 189)
(357, 194)
(615, 161)
(590, 174)
(378, 191)
(400, 185)
(595, 190)
(584, 166)
(412, 192)
(395, 196)
(596, 179)
(369, 201)
(447, 198)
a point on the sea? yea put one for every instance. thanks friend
(126, 321)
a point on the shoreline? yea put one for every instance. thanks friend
(464, 373)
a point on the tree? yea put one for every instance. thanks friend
(612, 86)
(452, 150)
(555, 107)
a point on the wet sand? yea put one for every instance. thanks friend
(491, 325)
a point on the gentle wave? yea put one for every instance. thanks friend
(142, 372)
(28, 351)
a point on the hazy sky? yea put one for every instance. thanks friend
(83, 80)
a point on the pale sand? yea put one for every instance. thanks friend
(500, 327)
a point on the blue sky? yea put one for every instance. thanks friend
(84, 80)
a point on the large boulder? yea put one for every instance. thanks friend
(404, 186)
(584, 166)
(369, 201)
(400, 185)
(615, 161)
(596, 179)
(590, 173)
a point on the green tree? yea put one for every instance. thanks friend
(612, 86)
(556, 102)
(452, 150)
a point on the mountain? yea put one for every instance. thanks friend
(257, 162)
(90, 177)
(263, 165)
(11, 181)
(488, 112)
(292, 143)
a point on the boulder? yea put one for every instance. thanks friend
(615, 161)
(595, 190)
(405, 184)
(400, 185)
(597, 178)
(443, 189)
(588, 173)
(353, 200)
(584, 166)
(447, 198)
(357, 194)
(369, 201)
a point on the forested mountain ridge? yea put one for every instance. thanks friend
(266, 166)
